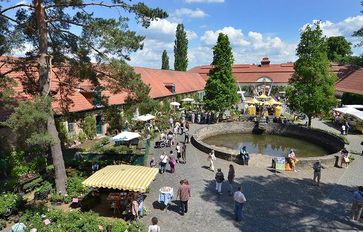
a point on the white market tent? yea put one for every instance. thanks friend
(351, 111)
(125, 136)
(144, 118)
(174, 103)
(188, 99)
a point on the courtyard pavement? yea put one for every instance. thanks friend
(284, 201)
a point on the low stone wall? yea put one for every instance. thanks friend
(332, 143)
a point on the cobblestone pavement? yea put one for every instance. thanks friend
(284, 201)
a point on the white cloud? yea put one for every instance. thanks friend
(186, 12)
(342, 28)
(235, 36)
(204, 1)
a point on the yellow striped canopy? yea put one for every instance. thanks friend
(125, 177)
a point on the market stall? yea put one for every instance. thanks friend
(123, 184)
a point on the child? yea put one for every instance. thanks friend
(152, 163)
(154, 227)
(317, 172)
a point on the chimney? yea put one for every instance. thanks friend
(265, 61)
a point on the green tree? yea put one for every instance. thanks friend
(181, 49)
(165, 61)
(221, 88)
(67, 32)
(338, 48)
(29, 123)
(311, 89)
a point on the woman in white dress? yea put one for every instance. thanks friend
(211, 158)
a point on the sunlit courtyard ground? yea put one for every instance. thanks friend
(284, 201)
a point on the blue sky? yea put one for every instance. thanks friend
(256, 28)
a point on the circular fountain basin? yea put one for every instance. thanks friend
(275, 140)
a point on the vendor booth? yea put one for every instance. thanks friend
(126, 177)
(122, 184)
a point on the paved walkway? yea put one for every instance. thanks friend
(275, 202)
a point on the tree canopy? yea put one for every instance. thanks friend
(49, 29)
(181, 49)
(221, 88)
(338, 48)
(311, 88)
(165, 61)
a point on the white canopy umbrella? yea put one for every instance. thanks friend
(174, 103)
(351, 111)
(144, 118)
(125, 136)
(188, 99)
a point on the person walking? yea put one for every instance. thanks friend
(154, 225)
(230, 178)
(219, 180)
(172, 163)
(186, 138)
(178, 152)
(184, 194)
(357, 203)
(343, 129)
(317, 172)
(163, 161)
(347, 127)
(239, 200)
(184, 153)
(135, 210)
(211, 159)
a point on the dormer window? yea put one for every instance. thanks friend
(171, 87)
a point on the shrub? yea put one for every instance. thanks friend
(42, 192)
(2, 224)
(82, 137)
(70, 221)
(9, 203)
(32, 184)
(88, 126)
(75, 187)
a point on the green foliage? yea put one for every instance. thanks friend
(114, 119)
(98, 146)
(75, 187)
(165, 61)
(311, 89)
(338, 48)
(181, 49)
(352, 99)
(29, 123)
(88, 126)
(32, 184)
(2, 224)
(248, 90)
(221, 89)
(46, 187)
(70, 221)
(353, 60)
(9, 202)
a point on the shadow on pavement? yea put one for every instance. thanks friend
(277, 203)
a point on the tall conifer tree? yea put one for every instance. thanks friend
(181, 49)
(221, 88)
(165, 61)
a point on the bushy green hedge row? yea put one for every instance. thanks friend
(74, 221)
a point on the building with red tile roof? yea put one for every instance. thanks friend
(163, 83)
(352, 83)
(279, 74)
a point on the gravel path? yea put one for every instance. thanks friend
(284, 201)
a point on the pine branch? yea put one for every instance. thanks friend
(16, 6)
(126, 6)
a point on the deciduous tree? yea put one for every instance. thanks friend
(311, 88)
(338, 48)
